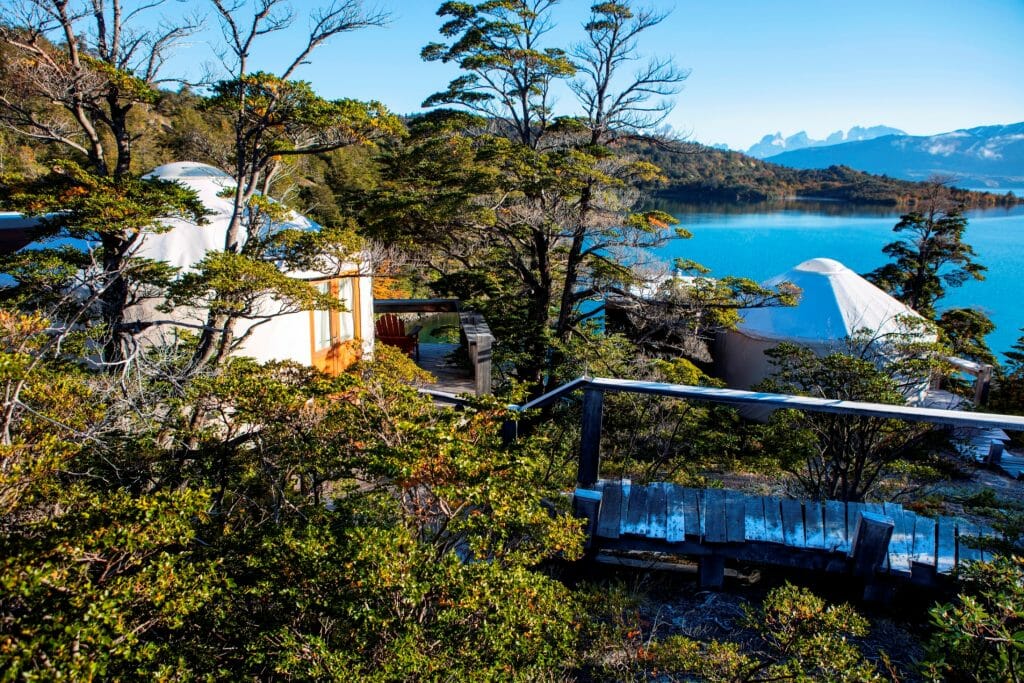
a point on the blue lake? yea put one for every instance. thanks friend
(759, 241)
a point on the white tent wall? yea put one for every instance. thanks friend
(283, 337)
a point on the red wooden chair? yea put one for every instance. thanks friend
(390, 330)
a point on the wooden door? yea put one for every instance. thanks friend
(334, 335)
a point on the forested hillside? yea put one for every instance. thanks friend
(189, 130)
(700, 173)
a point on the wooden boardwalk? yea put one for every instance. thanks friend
(776, 531)
(450, 378)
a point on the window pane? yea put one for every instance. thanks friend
(322, 321)
(346, 328)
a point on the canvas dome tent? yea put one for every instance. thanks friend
(835, 303)
(326, 339)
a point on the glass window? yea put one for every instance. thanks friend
(322, 321)
(346, 319)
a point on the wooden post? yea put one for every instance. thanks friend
(711, 571)
(509, 432)
(482, 365)
(868, 549)
(995, 454)
(870, 542)
(981, 385)
(586, 504)
(590, 439)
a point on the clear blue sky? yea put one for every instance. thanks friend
(757, 66)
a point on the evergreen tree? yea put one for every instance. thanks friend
(929, 256)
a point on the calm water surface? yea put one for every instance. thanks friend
(759, 241)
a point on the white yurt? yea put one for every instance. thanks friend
(834, 303)
(330, 340)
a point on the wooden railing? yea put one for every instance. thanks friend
(473, 330)
(478, 339)
(594, 389)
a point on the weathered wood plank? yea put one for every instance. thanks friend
(714, 512)
(656, 510)
(773, 521)
(691, 505)
(735, 514)
(902, 544)
(853, 511)
(753, 509)
(586, 504)
(924, 541)
(611, 510)
(966, 553)
(675, 514)
(793, 523)
(835, 526)
(945, 558)
(814, 527)
(635, 522)
(627, 489)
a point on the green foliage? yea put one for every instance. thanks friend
(801, 638)
(929, 256)
(107, 588)
(791, 635)
(285, 112)
(496, 44)
(92, 207)
(964, 330)
(841, 457)
(980, 636)
(1008, 391)
(318, 526)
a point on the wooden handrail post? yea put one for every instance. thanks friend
(482, 365)
(870, 542)
(590, 438)
(982, 384)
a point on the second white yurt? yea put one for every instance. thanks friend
(834, 303)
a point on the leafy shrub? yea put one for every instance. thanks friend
(980, 635)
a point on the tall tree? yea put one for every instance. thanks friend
(929, 255)
(274, 118)
(560, 230)
(75, 74)
(509, 73)
(548, 226)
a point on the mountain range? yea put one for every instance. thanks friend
(773, 144)
(985, 156)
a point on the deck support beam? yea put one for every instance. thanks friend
(586, 504)
(711, 571)
(590, 439)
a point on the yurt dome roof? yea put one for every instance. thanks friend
(834, 303)
(186, 243)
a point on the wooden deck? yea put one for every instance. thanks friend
(450, 378)
(773, 531)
